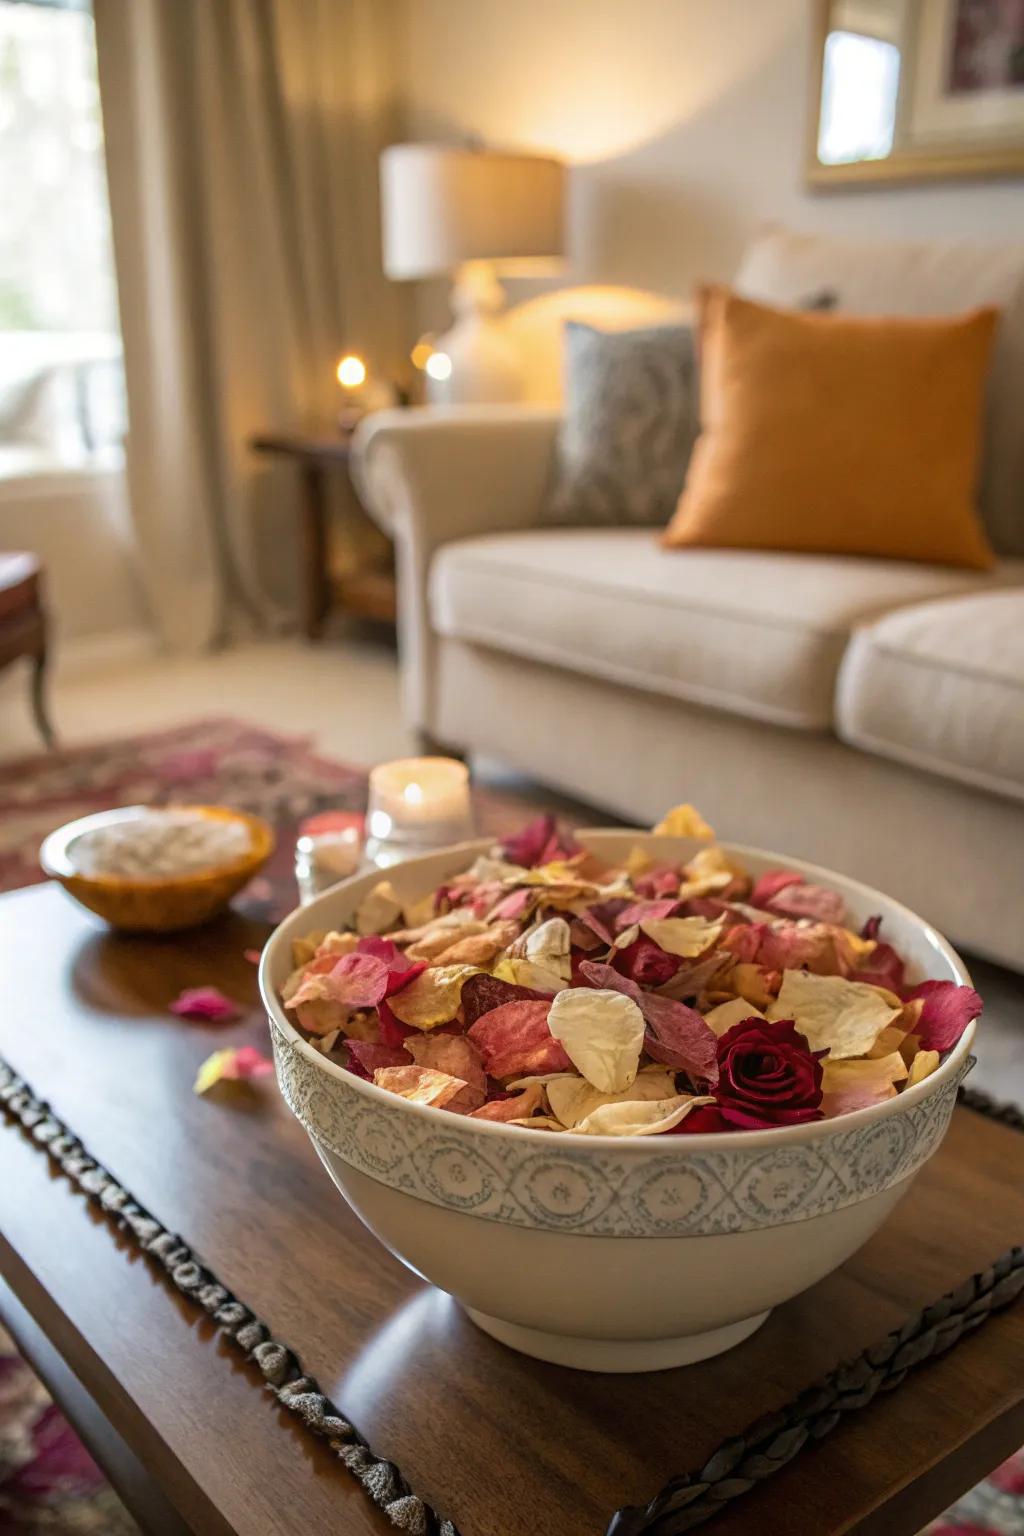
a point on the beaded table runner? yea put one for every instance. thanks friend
(738, 1465)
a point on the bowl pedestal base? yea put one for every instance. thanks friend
(617, 1355)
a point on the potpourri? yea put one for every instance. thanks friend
(546, 989)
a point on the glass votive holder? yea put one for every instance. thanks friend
(416, 805)
(329, 849)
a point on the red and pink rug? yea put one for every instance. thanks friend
(48, 1482)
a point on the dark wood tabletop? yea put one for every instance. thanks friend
(505, 1445)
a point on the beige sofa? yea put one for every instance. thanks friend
(868, 714)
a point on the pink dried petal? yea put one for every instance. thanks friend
(806, 900)
(788, 948)
(208, 1003)
(679, 1037)
(515, 1041)
(947, 1011)
(744, 941)
(383, 949)
(644, 912)
(883, 968)
(663, 880)
(457, 1056)
(365, 1056)
(484, 897)
(515, 905)
(771, 883)
(254, 956)
(602, 917)
(354, 981)
(250, 1062)
(539, 842)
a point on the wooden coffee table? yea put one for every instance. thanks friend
(505, 1445)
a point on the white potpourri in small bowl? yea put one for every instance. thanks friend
(159, 845)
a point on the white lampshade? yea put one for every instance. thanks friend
(443, 205)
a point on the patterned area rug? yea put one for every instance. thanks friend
(49, 1484)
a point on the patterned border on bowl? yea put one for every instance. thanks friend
(600, 1193)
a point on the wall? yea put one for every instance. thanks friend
(77, 522)
(684, 121)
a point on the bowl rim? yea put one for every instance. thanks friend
(55, 860)
(703, 1141)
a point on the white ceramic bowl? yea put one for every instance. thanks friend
(605, 1253)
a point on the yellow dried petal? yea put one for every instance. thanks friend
(684, 821)
(683, 936)
(421, 1085)
(733, 1012)
(922, 1066)
(433, 997)
(843, 1017)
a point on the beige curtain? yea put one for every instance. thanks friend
(242, 139)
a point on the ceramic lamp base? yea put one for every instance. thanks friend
(617, 1355)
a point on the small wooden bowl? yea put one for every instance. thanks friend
(164, 904)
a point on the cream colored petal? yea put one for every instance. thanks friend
(601, 1032)
(683, 936)
(572, 1099)
(638, 1118)
(379, 909)
(733, 1012)
(842, 1017)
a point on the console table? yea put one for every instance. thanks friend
(368, 592)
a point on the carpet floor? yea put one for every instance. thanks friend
(48, 1481)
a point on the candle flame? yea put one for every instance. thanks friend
(412, 794)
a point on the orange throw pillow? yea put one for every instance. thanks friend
(837, 434)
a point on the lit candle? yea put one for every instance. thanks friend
(417, 802)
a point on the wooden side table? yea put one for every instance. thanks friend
(370, 592)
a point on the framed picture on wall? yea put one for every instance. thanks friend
(908, 89)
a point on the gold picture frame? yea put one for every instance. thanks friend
(938, 156)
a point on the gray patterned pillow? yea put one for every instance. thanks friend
(631, 419)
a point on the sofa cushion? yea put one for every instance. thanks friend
(941, 686)
(921, 278)
(758, 634)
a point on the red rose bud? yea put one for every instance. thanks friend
(768, 1075)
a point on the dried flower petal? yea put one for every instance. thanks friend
(236, 1063)
(207, 1003)
(422, 1085)
(602, 1033)
(843, 1017)
(514, 1040)
(683, 936)
(948, 1009)
(684, 821)
(432, 998)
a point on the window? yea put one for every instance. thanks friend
(858, 98)
(61, 378)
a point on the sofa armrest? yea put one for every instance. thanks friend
(435, 474)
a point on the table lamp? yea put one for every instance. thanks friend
(469, 211)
